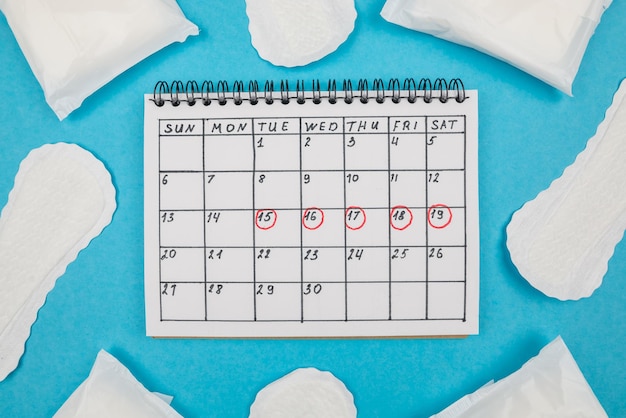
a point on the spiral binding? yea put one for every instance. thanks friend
(206, 93)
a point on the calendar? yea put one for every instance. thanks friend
(313, 218)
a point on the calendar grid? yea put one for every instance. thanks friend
(391, 173)
(313, 219)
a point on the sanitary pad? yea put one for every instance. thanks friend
(112, 391)
(562, 240)
(296, 32)
(545, 38)
(550, 385)
(306, 392)
(74, 47)
(62, 198)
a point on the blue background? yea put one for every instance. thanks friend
(529, 132)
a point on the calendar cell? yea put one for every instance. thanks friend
(366, 152)
(182, 264)
(407, 125)
(219, 189)
(228, 228)
(404, 188)
(446, 300)
(182, 301)
(275, 152)
(173, 127)
(278, 301)
(181, 191)
(180, 153)
(277, 228)
(323, 264)
(229, 265)
(446, 186)
(408, 226)
(408, 301)
(445, 151)
(277, 265)
(228, 153)
(408, 264)
(368, 301)
(329, 233)
(182, 228)
(446, 264)
(229, 301)
(367, 228)
(446, 226)
(365, 125)
(324, 301)
(367, 189)
(277, 190)
(276, 126)
(407, 151)
(413, 234)
(367, 264)
(322, 151)
(319, 189)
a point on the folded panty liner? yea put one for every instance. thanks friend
(297, 32)
(562, 240)
(74, 47)
(62, 198)
(549, 385)
(110, 391)
(545, 38)
(305, 392)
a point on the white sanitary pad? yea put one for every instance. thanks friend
(549, 385)
(74, 47)
(562, 240)
(296, 32)
(545, 38)
(62, 198)
(111, 391)
(302, 393)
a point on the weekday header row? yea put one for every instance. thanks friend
(313, 125)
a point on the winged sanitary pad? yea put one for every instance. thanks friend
(307, 393)
(62, 198)
(562, 240)
(112, 391)
(549, 385)
(296, 32)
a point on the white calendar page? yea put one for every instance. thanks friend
(312, 220)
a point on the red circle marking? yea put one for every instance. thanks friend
(357, 208)
(439, 206)
(393, 211)
(256, 219)
(314, 226)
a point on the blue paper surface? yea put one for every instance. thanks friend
(528, 133)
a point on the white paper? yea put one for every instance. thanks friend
(562, 240)
(545, 38)
(74, 47)
(266, 235)
(63, 197)
(111, 391)
(297, 32)
(304, 393)
(548, 385)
